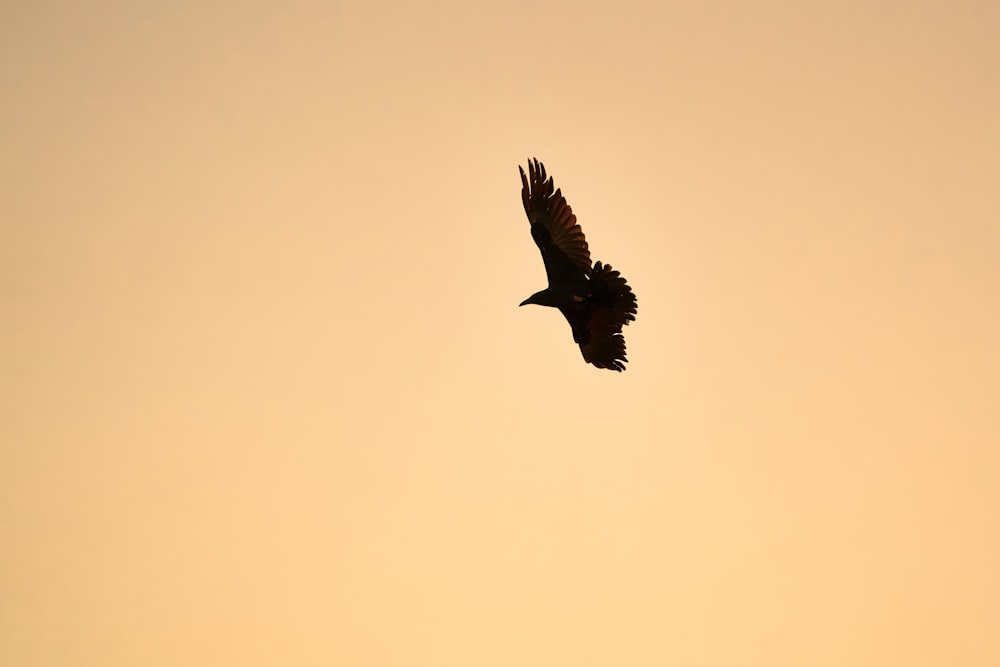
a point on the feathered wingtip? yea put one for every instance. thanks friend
(536, 188)
(536, 170)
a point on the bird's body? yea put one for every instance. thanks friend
(595, 300)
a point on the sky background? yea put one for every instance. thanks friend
(266, 396)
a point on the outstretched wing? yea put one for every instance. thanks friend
(605, 348)
(597, 328)
(613, 298)
(553, 226)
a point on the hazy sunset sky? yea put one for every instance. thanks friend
(267, 398)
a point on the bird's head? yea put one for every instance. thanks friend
(562, 295)
(547, 297)
(530, 299)
(544, 298)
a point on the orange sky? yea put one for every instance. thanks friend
(267, 397)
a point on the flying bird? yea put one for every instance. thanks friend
(595, 300)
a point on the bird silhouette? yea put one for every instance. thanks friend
(595, 300)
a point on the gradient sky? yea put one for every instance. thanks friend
(266, 396)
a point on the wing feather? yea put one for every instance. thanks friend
(612, 295)
(606, 351)
(598, 328)
(553, 227)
